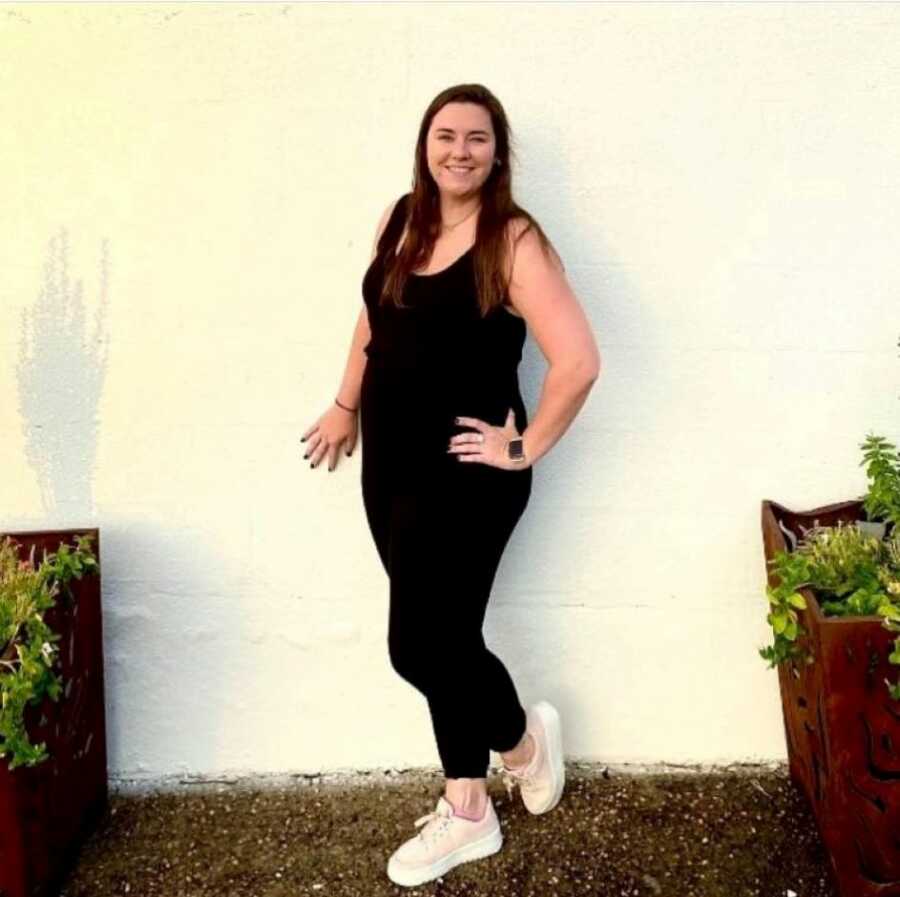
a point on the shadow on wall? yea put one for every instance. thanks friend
(60, 374)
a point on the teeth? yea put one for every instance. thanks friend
(453, 168)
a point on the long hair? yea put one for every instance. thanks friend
(493, 250)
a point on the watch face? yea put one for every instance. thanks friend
(515, 448)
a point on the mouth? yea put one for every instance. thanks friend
(459, 170)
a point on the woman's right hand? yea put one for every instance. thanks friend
(335, 427)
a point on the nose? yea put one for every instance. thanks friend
(460, 152)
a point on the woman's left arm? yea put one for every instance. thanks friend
(539, 291)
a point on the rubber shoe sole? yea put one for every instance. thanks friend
(477, 850)
(550, 718)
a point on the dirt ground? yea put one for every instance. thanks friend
(743, 832)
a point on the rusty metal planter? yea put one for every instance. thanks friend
(46, 811)
(842, 727)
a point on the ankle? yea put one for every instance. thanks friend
(473, 812)
(522, 754)
(471, 802)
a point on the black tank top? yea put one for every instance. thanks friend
(436, 358)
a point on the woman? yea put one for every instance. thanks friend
(457, 272)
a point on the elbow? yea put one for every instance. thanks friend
(588, 367)
(592, 367)
(584, 370)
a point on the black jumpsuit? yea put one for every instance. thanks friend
(440, 524)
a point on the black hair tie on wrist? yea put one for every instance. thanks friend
(343, 406)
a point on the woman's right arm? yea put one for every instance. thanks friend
(337, 425)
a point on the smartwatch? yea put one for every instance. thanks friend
(515, 450)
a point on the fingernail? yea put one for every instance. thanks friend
(311, 464)
(303, 439)
(330, 469)
(306, 456)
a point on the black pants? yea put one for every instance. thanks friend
(440, 544)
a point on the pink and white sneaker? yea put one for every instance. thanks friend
(445, 841)
(542, 779)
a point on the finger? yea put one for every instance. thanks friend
(333, 452)
(317, 453)
(469, 448)
(313, 443)
(471, 422)
(351, 444)
(460, 438)
(309, 432)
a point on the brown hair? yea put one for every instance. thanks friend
(492, 254)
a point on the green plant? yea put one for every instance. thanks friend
(852, 574)
(27, 650)
(882, 462)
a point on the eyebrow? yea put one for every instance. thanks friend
(451, 131)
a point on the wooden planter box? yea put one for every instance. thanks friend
(842, 727)
(46, 811)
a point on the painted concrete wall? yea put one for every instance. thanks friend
(189, 199)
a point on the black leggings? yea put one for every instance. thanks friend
(441, 548)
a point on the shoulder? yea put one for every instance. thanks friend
(529, 248)
(516, 227)
(387, 213)
(386, 216)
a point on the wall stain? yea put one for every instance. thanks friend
(60, 374)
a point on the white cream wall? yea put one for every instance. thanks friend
(721, 181)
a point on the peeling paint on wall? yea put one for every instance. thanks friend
(60, 375)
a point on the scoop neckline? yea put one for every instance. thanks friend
(452, 264)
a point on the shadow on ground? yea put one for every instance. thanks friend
(732, 833)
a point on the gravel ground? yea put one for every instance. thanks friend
(738, 832)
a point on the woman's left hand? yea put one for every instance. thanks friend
(488, 445)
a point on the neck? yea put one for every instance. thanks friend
(455, 207)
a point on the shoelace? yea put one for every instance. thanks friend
(435, 831)
(511, 779)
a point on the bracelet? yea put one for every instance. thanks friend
(344, 406)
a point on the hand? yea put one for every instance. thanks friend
(328, 433)
(488, 445)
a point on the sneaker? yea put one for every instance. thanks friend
(542, 779)
(445, 841)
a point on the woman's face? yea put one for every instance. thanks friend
(460, 146)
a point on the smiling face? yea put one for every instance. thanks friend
(460, 147)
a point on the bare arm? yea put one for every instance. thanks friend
(349, 390)
(540, 292)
